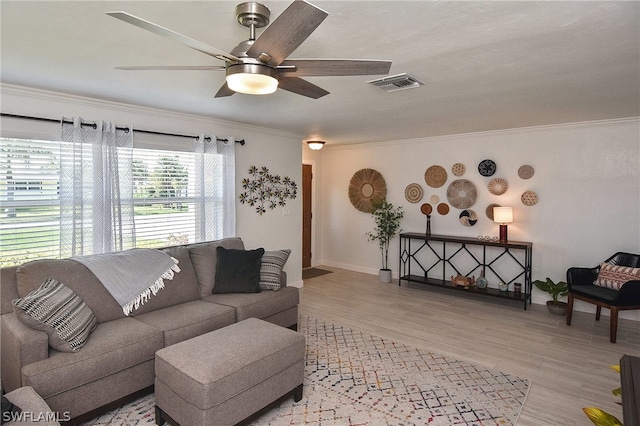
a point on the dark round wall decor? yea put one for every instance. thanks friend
(487, 168)
(367, 190)
(468, 217)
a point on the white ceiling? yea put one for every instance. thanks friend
(485, 65)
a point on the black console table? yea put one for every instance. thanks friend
(433, 259)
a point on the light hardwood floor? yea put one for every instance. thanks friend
(568, 365)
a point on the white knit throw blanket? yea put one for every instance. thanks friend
(131, 276)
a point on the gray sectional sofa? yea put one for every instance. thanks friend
(117, 360)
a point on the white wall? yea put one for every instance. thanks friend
(280, 152)
(586, 175)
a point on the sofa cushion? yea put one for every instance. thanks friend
(74, 275)
(238, 271)
(114, 346)
(204, 259)
(55, 309)
(257, 305)
(271, 268)
(182, 288)
(614, 276)
(187, 320)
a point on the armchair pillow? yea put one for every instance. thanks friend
(9, 410)
(55, 309)
(271, 268)
(237, 271)
(614, 276)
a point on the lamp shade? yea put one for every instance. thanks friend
(315, 145)
(251, 79)
(503, 214)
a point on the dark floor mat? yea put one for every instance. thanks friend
(313, 272)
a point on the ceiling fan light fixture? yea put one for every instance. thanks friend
(315, 145)
(252, 79)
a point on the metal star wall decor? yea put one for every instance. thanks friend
(263, 190)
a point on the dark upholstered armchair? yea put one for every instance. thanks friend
(582, 287)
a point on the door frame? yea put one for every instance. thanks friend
(314, 213)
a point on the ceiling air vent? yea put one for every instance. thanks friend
(397, 82)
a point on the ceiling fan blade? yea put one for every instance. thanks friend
(172, 68)
(172, 35)
(224, 91)
(301, 87)
(333, 67)
(287, 32)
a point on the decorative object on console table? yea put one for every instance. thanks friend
(517, 289)
(556, 290)
(503, 215)
(461, 281)
(482, 282)
(426, 210)
(504, 287)
(387, 225)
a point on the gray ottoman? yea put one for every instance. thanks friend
(225, 376)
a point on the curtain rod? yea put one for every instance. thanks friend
(126, 129)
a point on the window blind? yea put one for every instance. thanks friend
(29, 200)
(164, 203)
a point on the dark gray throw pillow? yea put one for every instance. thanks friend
(237, 271)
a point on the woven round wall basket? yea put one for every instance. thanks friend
(367, 190)
(461, 193)
(458, 169)
(498, 186)
(435, 176)
(443, 209)
(413, 193)
(529, 198)
(468, 217)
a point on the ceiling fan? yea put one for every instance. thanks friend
(260, 65)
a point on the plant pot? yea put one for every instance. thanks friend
(559, 308)
(385, 275)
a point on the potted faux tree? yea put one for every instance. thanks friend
(556, 290)
(387, 225)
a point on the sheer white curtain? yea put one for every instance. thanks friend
(96, 188)
(214, 188)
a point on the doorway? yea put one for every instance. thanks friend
(307, 176)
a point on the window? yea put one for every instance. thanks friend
(29, 200)
(163, 189)
(164, 199)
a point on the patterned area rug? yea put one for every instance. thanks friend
(354, 378)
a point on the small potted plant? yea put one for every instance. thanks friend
(556, 290)
(387, 225)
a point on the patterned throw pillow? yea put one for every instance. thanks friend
(614, 276)
(271, 268)
(57, 310)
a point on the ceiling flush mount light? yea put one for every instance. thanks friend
(503, 215)
(252, 79)
(315, 145)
